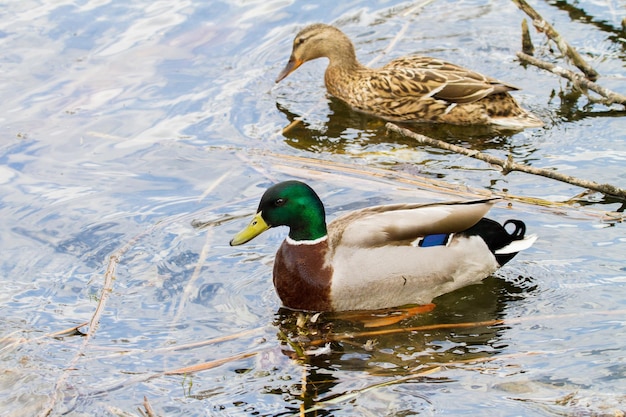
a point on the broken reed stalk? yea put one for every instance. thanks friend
(542, 26)
(286, 163)
(508, 165)
(527, 42)
(210, 365)
(610, 97)
(148, 407)
(312, 168)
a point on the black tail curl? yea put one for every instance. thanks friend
(520, 229)
(496, 236)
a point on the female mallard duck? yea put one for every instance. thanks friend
(408, 89)
(379, 257)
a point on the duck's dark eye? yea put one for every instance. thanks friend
(279, 202)
(299, 41)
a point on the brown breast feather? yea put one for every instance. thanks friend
(301, 276)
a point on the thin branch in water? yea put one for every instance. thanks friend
(508, 165)
(610, 97)
(542, 26)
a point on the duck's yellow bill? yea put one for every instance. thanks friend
(255, 228)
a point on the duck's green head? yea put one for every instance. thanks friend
(290, 203)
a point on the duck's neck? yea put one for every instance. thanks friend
(342, 55)
(308, 233)
(310, 224)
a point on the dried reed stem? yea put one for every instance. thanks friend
(311, 168)
(107, 288)
(209, 365)
(149, 411)
(194, 277)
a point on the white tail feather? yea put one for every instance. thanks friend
(517, 245)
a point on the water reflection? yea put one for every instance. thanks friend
(174, 273)
(570, 110)
(577, 13)
(346, 128)
(464, 326)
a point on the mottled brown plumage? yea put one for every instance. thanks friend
(408, 89)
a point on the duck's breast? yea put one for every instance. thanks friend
(302, 275)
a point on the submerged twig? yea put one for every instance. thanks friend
(209, 365)
(72, 331)
(508, 164)
(610, 97)
(396, 330)
(107, 288)
(143, 378)
(543, 26)
(184, 346)
(203, 253)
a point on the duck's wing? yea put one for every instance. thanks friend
(400, 224)
(429, 77)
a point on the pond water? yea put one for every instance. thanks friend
(137, 138)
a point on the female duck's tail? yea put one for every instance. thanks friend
(501, 243)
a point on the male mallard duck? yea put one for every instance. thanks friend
(379, 257)
(408, 89)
